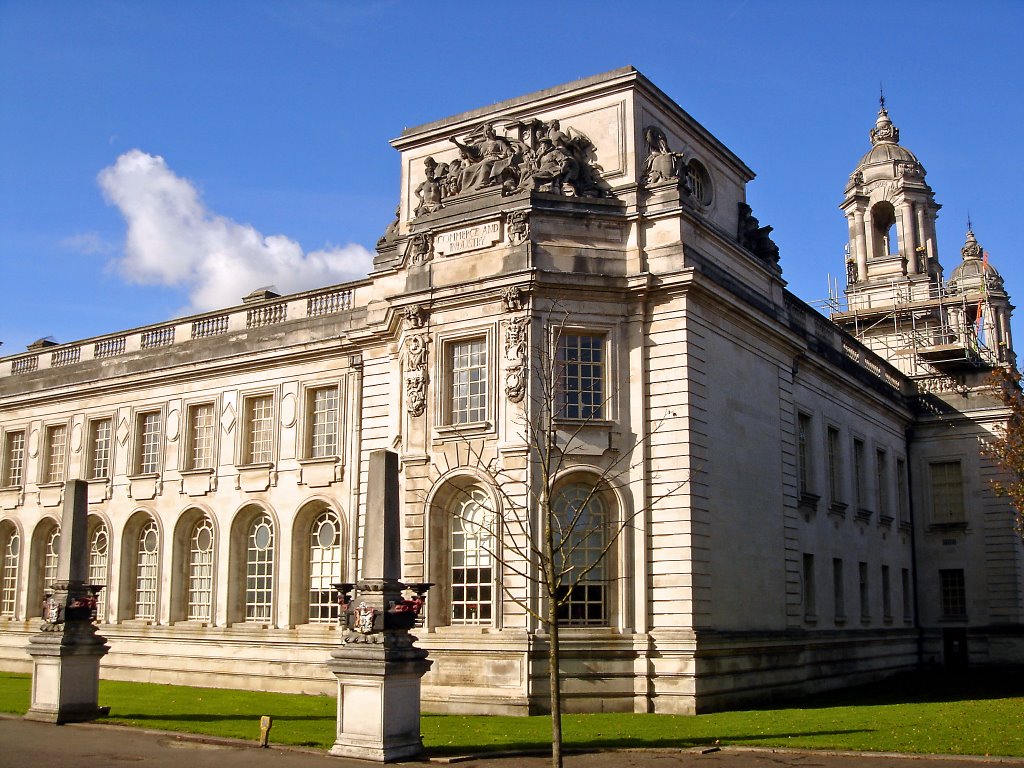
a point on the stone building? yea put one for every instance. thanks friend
(788, 502)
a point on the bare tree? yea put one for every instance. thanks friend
(1007, 449)
(556, 543)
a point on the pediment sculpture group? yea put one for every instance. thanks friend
(533, 155)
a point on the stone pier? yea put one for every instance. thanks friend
(377, 666)
(66, 651)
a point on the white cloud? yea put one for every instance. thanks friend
(174, 240)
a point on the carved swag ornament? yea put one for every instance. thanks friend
(515, 358)
(531, 155)
(416, 376)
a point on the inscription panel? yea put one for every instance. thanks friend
(467, 238)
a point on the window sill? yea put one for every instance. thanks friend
(885, 521)
(256, 466)
(144, 476)
(50, 484)
(947, 527)
(197, 472)
(469, 429)
(837, 508)
(320, 472)
(863, 515)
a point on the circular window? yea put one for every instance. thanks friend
(149, 541)
(700, 182)
(325, 536)
(204, 540)
(261, 536)
(99, 543)
(15, 545)
(55, 543)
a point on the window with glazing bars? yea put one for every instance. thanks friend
(259, 438)
(99, 544)
(99, 450)
(51, 555)
(147, 563)
(259, 570)
(9, 585)
(200, 571)
(834, 471)
(149, 443)
(580, 542)
(324, 567)
(882, 482)
(56, 444)
(323, 422)
(947, 492)
(954, 593)
(472, 563)
(581, 376)
(858, 474)
(200, 436)
(14, 459)
(468, 381)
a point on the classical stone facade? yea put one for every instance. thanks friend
(797, 503)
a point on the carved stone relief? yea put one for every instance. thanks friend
(529, 155)
(515, 358)
(421, 248)
(416, 358)
(512, 298)
(517, 224)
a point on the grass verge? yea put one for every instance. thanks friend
(978, 713)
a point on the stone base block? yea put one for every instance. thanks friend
(65, 689)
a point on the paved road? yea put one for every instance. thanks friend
(25, 744)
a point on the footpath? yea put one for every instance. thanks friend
(25, 744)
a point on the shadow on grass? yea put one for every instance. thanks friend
(212, 718)
(920, 687)
(598, 745)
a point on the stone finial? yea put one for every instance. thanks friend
(971, 249)
(884, 131)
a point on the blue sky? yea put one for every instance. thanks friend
(261, 129)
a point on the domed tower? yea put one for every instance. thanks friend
(897, 302)
(891, 212)
(984, 313)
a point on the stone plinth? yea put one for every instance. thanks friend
(65, 674)
(379, 699)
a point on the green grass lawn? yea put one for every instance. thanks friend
(981, 712)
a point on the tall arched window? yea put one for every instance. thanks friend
(472, 558)
(259, 570)
(883, 221)
(200, 571)
(580, 540)
(147, 566)
(99, 546)
(51, 554)
(325, 553)
(10, 547)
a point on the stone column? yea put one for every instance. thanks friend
(377, 666)
(909, 237)
(66, 652)
(861, 245)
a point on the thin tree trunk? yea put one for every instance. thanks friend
(554, 681)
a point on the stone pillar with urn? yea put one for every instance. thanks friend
(66, 651)
(377, 666)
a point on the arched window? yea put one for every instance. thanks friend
(472, 558)
(259, 570)
(99, 546)
(325, 553)
(10, 548)
(699, 181)
(51, 554)
(147, 566)
(200, 571)
(883, 222)
(581, 537)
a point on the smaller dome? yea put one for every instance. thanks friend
(975, 269)
(886, 153)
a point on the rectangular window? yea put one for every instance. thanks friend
(860, 500)
(954, 594)
(56, 445)
(882, 483)
(838, 593)
(322, 422)
(810, 599)
(259, 430)
(865, 597)
(100, 445)
(886, 594)
(14, 459)
(835, 478)
(468, 360)
(947, 492)
(199, 445)
(581, 376)
(148, 450)
(908, 605)
(901, 490)
(803, 432)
